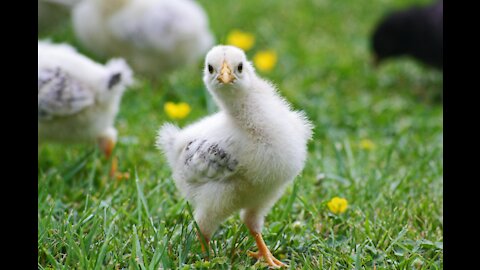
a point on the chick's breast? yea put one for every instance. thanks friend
(222, 166)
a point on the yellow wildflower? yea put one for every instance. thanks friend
(367, 144)
(242, 40)
(265, 60)
(337, 205)
(177, 111)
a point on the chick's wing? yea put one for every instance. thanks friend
(207, 161)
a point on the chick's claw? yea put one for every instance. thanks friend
(269, 259)
(264, 252)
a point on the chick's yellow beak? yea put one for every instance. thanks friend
(225, 75)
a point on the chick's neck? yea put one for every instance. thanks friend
(256, 112)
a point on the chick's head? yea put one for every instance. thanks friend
(227, 71)
(118, 77)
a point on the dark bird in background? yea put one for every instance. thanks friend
(416, 32)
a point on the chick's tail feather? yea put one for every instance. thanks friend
(166, 141)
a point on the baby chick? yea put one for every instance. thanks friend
(78, 98)
(241, 158)
(154, 36)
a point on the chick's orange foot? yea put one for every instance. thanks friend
(264, 252)
(269, 259)
(115, 174)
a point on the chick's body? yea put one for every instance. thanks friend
(78, 98)
(153, 35)
(239, 166)
(242, 157)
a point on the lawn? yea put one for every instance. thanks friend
(378, 143)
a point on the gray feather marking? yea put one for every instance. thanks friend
(208, 161)
(60, 95)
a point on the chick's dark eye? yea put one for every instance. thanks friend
(240, 67)
(210, 69)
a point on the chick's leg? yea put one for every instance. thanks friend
(204, 243)
(106, 142)
(107, 145)
(207, 224)
(254, 223)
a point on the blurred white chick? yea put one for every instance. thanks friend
(52, 13)
(78, 98)
(242, 157)
(154, 36)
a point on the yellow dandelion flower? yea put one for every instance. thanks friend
(242, 40)
(367, 144)
(337, 205)
(265, 60)
(177, 111)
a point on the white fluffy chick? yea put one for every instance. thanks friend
(78, 98)
(154, 36)
(242, 157)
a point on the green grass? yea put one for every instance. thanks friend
(395, 215)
